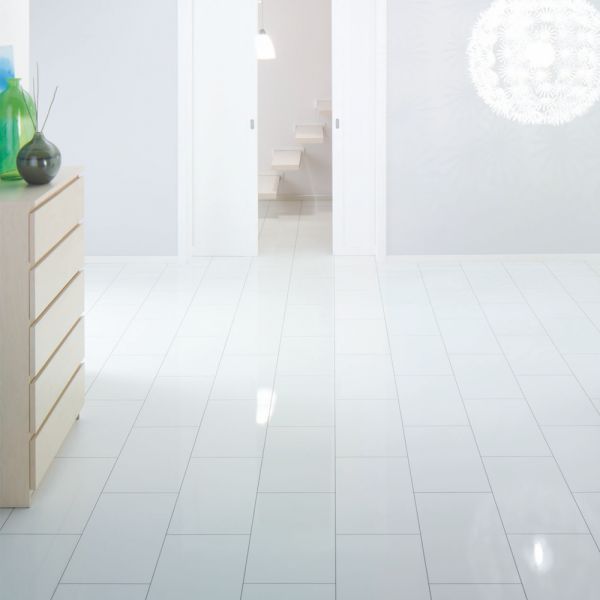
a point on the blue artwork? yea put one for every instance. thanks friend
(7, 66)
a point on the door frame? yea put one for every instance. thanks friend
(185, 128)
(185, 107)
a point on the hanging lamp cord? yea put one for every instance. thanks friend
(262, 15)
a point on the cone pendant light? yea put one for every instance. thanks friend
(265, 50)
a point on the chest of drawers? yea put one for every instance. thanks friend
(41, 327)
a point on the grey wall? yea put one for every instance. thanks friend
(462, 180)
(116, 114)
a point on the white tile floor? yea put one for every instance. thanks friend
(302, 428)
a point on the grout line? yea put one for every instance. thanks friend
(587, 317)
(412, 483)
(542, 432)
(335, 457)
(159, 275)
(214, 377)
(88, 384)
(262, 457)
(472, 431)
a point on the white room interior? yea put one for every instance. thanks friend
(377, 379)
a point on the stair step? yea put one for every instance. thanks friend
(268, 185)
(323, 106)
(286, 160)
(310, 134)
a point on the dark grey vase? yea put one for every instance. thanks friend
(39, 160)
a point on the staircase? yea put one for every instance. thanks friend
(268, 185)
(290, 159)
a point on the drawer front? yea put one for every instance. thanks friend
(51, 275)
(47, 387)
(52, 221)
(45, 445)
(47, 333)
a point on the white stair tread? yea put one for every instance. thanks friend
(323, 106)
(286, 160)
(268, 185)
(310, 134)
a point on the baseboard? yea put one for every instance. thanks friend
(287, 197)
(130, 259)
(490, 257)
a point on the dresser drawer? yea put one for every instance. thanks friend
(47, 333)
(54, 219)
(45, 445)
(46, 388)
(53, 273)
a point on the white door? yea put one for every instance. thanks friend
(354, 80)
(225, 194)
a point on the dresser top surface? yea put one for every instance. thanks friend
(34, 195)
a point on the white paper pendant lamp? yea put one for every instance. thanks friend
(265, 50)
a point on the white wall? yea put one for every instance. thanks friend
(14, 31)
(289, 86)
(462, 180)
(116, 114)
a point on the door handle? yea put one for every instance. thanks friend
(337, 123)
(252, 124)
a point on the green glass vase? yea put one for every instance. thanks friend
(16, 127)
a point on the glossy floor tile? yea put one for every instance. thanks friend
(31, 565)
(73, 591)
(559, 401)
(217, 497)
(477, 592)
(101, 431)
(428, 401)
(293, 539)
(122, 540)
(298, 459)
(576, 450)
(300, 426)
(533, 497)
(380, 566)
(303, 401)
(589, 505)
(374, 496)
(64, 501)
(257, 591)
(200, 566)
(175, 402)
(506, 428)
(232, 429)
(485, 376)
(464, 539)
(369, 428)
(153, 460)
(554, 567)
(445, 459)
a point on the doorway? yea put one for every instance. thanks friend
(220, 146)
(294, 120)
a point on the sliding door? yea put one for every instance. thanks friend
(354, 61)
(224, 164)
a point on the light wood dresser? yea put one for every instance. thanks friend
(41, 327)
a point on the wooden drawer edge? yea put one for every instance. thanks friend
(56, 191)
(74, 237)
(70, 192)
(46, 443)
(77, 280)
(33, 399)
